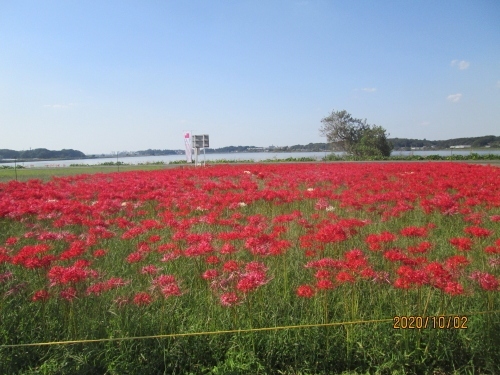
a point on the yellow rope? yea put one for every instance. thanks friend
(220, 332)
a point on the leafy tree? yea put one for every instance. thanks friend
(355, 136)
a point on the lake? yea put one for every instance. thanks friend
(256, 156)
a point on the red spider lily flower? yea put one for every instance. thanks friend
(485, 280)
(154, 238)
(322, 274)
(134, 257)
(475, 218)
(171, 290)
(495, 218)
(143, 247)
(438, 275)
(81, 263)
(150, 269)
(279, 247)
(354, 254)
(142, 299)
(375, 241)
(230, 266)
(65, 275)
(99, 253)
(171, 256)
(478, 231)
(492, 249)
(367, 273)
(395, 255)
(76, 249)
(151, 224)
(325, 284)
(28, 256)
(210, 274)
(305, 291)
(11, 241)
(310, 253)
(250, 281)
(227, 248)
(422, 247)
(414, 232)
(69, 294)
(4, 257)
(40, 295)
(167, 247)
(331, 233)
(456, 261)
(133, 232)
(116, 282)
(461, 243)
(229, 299)
(164, 280)
(212, 259)
(453, 288)
(344, 277)
(355, 259)
(256, 267)
(402, 283)
(201, 248)
(96, 289)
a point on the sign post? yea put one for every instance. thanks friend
(200, 141)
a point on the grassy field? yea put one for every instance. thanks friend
(45, 174)
(389, 268)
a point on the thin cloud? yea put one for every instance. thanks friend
(425, 123)
(462, 65)
(498, 84)
(454, 97)
(369, 89)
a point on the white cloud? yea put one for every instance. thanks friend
(369, 89)
(425, 123)
(454, 97)
(462, 65)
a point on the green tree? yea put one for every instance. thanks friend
(355, 136)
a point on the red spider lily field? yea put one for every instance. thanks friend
(408, 254)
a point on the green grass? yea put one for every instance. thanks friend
(46, 174)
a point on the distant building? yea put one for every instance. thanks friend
(460, 146)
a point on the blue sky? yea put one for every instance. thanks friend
(102, 76)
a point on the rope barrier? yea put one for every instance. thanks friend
(247, 330)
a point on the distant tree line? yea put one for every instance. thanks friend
(398, 143)
(150, 152)
(487, 140)
(41, 153)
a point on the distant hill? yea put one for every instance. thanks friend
(41, 153)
